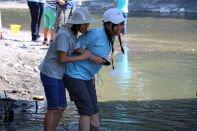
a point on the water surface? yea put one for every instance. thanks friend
(153, 86)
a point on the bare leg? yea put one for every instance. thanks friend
(51, 119)
(84, 123)
(60, 111)
(1, 30)
(94, 120)
(52, 32)
(1, 35)
(45, 31)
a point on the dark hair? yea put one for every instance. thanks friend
(75, 28)
(111, 42)
(119, 38)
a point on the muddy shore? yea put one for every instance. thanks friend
(19, 60)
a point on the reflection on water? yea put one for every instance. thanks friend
(123, 71)
(154, 115)
(154, 83)
(178, 15)
(149, 115)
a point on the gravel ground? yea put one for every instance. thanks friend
(19, 60)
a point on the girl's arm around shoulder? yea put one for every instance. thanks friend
(63, 58)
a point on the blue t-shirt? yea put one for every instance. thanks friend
(122, 5)
(97, 43)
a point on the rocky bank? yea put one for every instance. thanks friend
(19, 60)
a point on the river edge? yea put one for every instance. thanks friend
(13, 5)
(19, 65)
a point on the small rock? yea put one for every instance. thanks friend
(28, 67)
(16, 65)
(10, 65)
(36, 69)
(38, 98)
(4, 78)
(14, 91)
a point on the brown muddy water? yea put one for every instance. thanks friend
(153, 86)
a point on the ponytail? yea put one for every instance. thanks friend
(111, 42)
(122, 49)
(119, 38)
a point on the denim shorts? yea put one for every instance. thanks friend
(83, 93)
(54, 91)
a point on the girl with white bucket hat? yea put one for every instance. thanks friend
(53, 66)
(79, 76)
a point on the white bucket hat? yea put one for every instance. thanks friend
(80, 16)
(113, 15)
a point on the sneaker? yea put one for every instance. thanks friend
(35, 39)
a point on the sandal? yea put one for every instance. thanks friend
(45, 43)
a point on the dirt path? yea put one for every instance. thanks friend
(19, 60)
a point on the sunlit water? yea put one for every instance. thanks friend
(153, 86)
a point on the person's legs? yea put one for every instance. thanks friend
(94, 119)
(79, 93)
(45, 32)
(1, 29)
(33, 7)
(51, 119)
(52, 33)
(56, 100)
(84, 123)
(41, 10)
(1, 35)
(46, 26)
(125, 22)
(52, 19)
(62, 97)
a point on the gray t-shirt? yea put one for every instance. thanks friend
(65, 41)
